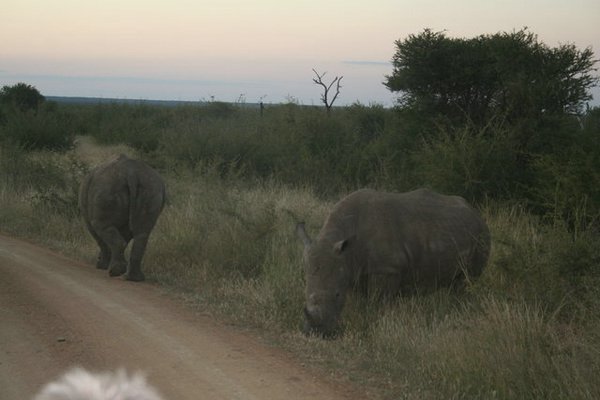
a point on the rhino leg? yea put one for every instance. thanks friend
(116, 244)
(103, 257)
(384, 287)
(134, 269)
(104, 254)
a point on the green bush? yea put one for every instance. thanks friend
(22, 171)
(360, 146)
(41, 130)
(473, 162)
(48, 180)
(20, 97)
(567, 183)
(27, 121)
(137, 125)
(541, 264)
(62, 196)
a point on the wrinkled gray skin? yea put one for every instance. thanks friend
(120, 201)
(413, 241)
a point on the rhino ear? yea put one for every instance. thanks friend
(302, 234)
(340, 247)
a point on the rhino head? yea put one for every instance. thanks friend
(327, 282)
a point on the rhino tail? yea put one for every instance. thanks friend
(132, 183)
(83, 195)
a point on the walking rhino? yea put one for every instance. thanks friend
(417, 240)
(120, 201)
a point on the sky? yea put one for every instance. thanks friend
(236, 50)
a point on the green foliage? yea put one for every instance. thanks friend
(370, 121)
(496, 119)
(25, 123)
(568, 180)
(218, 110)
(62, 196)
(473, 162)
(141, 126)
(509, 74)
(296, 144)
(41, 130)
(17, 170)
(23, 171)
(22, 97)
(137, 125)
(542, 264)
(48, 180)
(366, 146)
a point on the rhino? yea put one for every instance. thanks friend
(414, 242)
(121, 200)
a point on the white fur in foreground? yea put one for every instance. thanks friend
(79, 384)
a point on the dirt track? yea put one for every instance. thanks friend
(56, 313)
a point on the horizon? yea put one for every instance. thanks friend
(303, 91)
(232, 50)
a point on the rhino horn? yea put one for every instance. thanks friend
(301, 232)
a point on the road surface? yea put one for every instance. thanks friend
(56, 313)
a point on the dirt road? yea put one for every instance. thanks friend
(56, 313)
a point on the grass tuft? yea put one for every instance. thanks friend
(527, 328)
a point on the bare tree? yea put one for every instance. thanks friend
(327, 88)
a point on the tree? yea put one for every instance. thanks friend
(27, 125)
(509, 74)
(22, 96)
(327, 88)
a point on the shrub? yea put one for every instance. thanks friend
(42, 130)
(22, 171)
(567, 183)
(475, 163)
(543, 265)
(21, 97)
(61, 197)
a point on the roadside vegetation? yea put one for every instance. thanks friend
(238, 181)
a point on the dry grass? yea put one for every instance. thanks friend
(91, 154)
(229, 246)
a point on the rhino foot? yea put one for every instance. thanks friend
(100, 265)
(135, 277)
(117, 269)
(102, 262)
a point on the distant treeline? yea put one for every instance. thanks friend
(553, 168)
(150, 102)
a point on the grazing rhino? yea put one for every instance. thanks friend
(415, 240)
(121, 200)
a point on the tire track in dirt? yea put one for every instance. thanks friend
(56, 313)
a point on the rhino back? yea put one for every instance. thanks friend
(122, 192)
(104, 196)
(421, 235)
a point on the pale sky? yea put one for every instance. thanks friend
(232, 49)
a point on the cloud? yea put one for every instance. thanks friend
(367, 62)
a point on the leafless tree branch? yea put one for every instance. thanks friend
(327, 88)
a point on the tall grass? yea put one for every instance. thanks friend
(528, 328)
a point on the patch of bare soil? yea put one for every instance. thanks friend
(56, 313)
